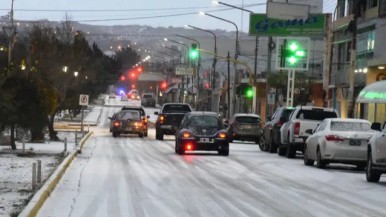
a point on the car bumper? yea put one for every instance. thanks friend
(218, 144)
(339, 152)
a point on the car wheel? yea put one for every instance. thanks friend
(180, 151)
(272, 146)
(371, 174)
(307, 161)
(114, 134)
(159, 135)
(224, 152)
(261, 142)
(281, 151)
(291, 151)
(319, 162)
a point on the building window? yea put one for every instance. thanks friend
(372, 3)
(365, 42)
(341, 8)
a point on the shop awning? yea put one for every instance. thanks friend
(373, 93)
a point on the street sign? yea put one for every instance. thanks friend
(261, 25)
(83, 99)
(287, 11)
(184, 71)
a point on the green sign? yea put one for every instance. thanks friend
(261, 25)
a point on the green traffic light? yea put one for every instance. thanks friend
(293, 46)
(294, 53)
(249, 93)
(193, 54)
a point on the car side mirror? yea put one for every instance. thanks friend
(110, 118)
(309, 131)
(156, 113)
(376, 126)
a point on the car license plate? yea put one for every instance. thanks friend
(204, 140)
(355, 142)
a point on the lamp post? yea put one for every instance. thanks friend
(237, 52)
(214, 57)
(10, 32)
(198, 68)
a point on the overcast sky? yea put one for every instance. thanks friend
(176, 13)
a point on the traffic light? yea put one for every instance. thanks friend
(207, 85)
(132, 74)
(245, 90)
(140, 69)
(164, 85)
(193, 52)
(248, 92)
(293, 53)
(122, 78)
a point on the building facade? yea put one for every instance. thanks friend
(369, 58)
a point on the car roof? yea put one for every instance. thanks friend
(348, 120)
(315, 107)
(132, 108)
(246, 115)
(194, 113)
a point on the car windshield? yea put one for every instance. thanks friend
(318, 115)
(203, 121)
(248, 119)
(176, 109)
(349, 126)
(129, 115)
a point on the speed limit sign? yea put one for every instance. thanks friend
(83, 99)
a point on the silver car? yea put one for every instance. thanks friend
(338, 140)
(245, 127)
(376, 156)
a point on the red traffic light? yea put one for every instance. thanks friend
(139, 69)
(207, 85)
(164, 85)
(122, 78)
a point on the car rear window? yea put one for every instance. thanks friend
(140, 110)
(203, 121)
(316, 114)
(132, 115)
(176, 109)
(350, 126)
(286, 113)
(248, 120)
(147, 96)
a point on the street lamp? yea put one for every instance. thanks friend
(237, 52)
(214, 58)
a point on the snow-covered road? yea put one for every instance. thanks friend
(129, 176)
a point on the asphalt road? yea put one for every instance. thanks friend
(130, 176)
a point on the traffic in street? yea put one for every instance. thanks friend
(132, 176)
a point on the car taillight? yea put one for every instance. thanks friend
(132, 97)
(145, 120)
(334, 138)
(296, 128)
(188, 146)
(186, 134)
(222, 135)
(117, 124)
(138, 124)
(138, 97)
(161, 119)
(280, 123)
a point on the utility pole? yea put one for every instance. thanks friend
(353, 29)
(229, 86)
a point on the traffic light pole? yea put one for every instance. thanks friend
(290, 88)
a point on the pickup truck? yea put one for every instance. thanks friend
(293, 133)
(169, 118)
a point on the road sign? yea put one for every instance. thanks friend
(261, 25)
(292, 53)
(184, 71)
(287, 11)
(83, 99)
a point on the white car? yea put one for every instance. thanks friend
(338, 140)
(376, 156)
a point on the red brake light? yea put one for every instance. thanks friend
(296, 128)
(222, 135)
(188, 147)
(334, 138)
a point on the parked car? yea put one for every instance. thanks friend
(293, 133)
(144, 117)
(245, 127)
(126, 122)
(148, 99)
(271, 130)
(338, 140)
(202, 131)
(376, 155)
(169, 118)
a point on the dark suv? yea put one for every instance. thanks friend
(245, 127)
(144, 118)
(271, 131)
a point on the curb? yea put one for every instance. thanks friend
(37, 201)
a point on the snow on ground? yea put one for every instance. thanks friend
(16, 170)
